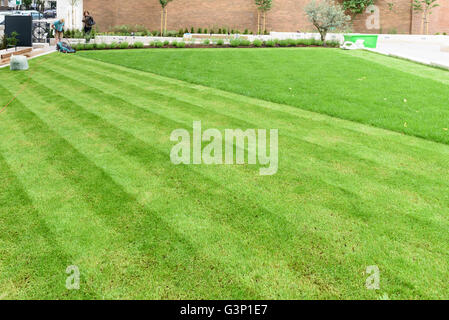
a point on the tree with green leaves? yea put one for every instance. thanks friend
(326, 15)
(73, 4)
(356, 7)
(263, 6)
(164, 14)
(425, 7)
(27, 3)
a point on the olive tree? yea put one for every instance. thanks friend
(326, 15)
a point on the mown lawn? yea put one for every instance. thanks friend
(87, 180)
(392, 94)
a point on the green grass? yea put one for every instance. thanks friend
(343, 84)
(87, 180)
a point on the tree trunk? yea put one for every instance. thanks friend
(258, 22)
(422, 23)
(323, 36)
(426, 22)
(264, 22)
(162, 21)
(166, 14)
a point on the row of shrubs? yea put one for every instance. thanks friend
(126, 45)
(283, 43)
(220, 42)
(138, 30)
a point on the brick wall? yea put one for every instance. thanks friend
(286, 15)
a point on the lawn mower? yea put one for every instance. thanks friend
(64, 47)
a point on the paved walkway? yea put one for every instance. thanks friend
(428, 52)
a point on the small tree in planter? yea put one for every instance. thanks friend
(73, 5)
(164, 13)
(425, 6)
(263, 6)
(326, 15)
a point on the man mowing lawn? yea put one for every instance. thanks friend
(58, 26)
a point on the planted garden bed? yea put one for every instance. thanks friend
(209, 44)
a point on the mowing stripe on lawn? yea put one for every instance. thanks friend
(326, 81)
(414, 68)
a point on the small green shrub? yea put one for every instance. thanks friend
(158, 44)
(101, 46)
(308, 42)
(79, 47)
(206, 42)
(270, 43)
(301, 42)
(245, 43)
(246, 31)
(166, 43)
(291, 42)
(205, 31)
(220, 42)
(235, 43)
(284, 43)
(257, 43)
(138, 44)
(174, 43)
(89, 46)
(124, 45)
(180, 44)
(114, 45)
(333, 44)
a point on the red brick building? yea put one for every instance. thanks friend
(286, 15)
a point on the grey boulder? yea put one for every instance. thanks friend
(18, 63)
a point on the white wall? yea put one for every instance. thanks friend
(73, 19)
